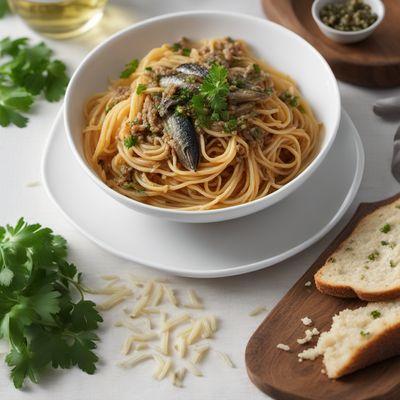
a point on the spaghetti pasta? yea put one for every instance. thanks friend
(264, 135)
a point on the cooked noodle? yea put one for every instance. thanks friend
(276, 139)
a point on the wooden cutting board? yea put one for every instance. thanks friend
(374, 62)
(279, 374)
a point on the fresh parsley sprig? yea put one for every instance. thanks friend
(39, 317)
(211, 104)
(4, 9)
(26, 72)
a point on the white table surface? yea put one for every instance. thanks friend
(230, 298)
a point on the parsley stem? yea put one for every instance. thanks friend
(76, 285)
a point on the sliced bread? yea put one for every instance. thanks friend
(367, 263)
(358, 338)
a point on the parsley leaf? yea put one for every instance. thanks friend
(27, 72)
(130, 68)
(130, 141)
(176, 47)
(141, 87)
(3, 8)
(39, 318)
(212, 97)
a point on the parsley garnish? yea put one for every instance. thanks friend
(212, 96)
(130, 68)
(375, 314)
(392, 264)
(288, 98)
(386, 228)
(255, 132)
(141, 87)
(40, 320)
(301, 109)
(4, 9)
(364, 333)
(27, 72)
(269, 91)
(231, 125)
(186, 52)
(384, 243)
(374, 255)
(257, 69)
(149, 69)
(130, 141)
(176, 47)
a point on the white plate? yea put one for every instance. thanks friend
(216, 249)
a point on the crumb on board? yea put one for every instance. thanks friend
(283, 347)
(306, 321)
(307, 284)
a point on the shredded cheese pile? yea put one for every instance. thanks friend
(160, 327)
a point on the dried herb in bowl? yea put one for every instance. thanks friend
(348, 16)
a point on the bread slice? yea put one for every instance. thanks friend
(358, 338)
(367, 263)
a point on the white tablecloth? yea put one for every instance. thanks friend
(231, 298)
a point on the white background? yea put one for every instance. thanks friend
(230, 298)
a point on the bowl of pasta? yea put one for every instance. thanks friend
(202, 116)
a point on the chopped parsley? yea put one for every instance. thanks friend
(211, 101)
(374, 255)
(257, 69)
(149, 69)
(290, 99)
(364, 333)
(392, 264)
(176, 47)
(348, 249)
(332, 259)
(130, 68)
(141, 87)
(301, 109)
(386, 228)
(392, 245)
(375, 314)
(384, 243)
(269, 91)
(130, 141)
(186, 52)
(397, 206)
(231, 125)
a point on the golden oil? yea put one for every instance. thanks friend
(59, 18)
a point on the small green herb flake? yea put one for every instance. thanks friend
(386, 228)
(384, 243)
(301, 109)
(392, 264)
(348, 249)
(149, 69)
(294, 101)
(364, 333)
(176, 47)
(257, 69)
(374, 255)
(392, 245)
(186, 52)
(269, 91)
(231, 125)
(332, 259)
(141, 87)
(130, 68)
(397, 206)
(130, 141)
(375, 314)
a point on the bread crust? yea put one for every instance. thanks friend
(382, 346)
(348, 291)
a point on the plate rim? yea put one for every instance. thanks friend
(221, 272)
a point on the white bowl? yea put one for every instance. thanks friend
(278, 46)
(347, 37)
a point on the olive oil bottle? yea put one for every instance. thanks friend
(59, 18)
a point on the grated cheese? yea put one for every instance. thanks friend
(257, 310)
